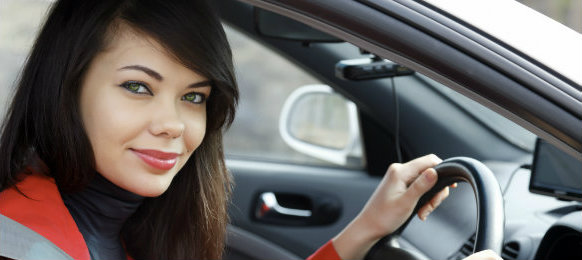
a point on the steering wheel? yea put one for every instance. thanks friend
(490, 212)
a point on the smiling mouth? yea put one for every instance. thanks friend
(157, 159)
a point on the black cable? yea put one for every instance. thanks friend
(397, 122)
(523, 166)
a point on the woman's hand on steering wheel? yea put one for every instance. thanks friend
(390, 206)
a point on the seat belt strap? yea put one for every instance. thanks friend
(20, 242)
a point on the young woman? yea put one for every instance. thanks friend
(112, 147)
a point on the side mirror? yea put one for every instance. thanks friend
(322, 124)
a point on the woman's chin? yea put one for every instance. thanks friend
(149, 190)
(145, 185)
(138, 178)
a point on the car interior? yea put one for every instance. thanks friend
(401, 114)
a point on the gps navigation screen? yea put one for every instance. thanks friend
(556, 173)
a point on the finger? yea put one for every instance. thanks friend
(418, 165)
(421, 185)
(424, 162)
(430, 206)
(454, 185)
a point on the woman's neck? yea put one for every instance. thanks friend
(100, 211)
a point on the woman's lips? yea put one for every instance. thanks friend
(157, 159)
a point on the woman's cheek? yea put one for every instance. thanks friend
(123, 119)
(195, 131)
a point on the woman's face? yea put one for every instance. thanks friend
(143, 112)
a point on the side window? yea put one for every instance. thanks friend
(19, 23)
(266, 81)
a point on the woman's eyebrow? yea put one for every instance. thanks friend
(201, 84)
(146, 70)
(154, 74)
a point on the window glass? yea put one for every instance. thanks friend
(504, 127)
(265, 80)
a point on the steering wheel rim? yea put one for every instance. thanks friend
(490, 208)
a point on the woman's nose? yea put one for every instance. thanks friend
(166, 122)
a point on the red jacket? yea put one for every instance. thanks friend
(45, 213)
(326, 252)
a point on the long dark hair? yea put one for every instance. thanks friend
(189, 220)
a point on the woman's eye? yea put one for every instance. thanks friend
(136, 87)
(195, 98)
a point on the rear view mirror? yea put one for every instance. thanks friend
(274, 25)
(323, 124)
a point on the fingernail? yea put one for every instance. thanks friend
(424, 216)
(429, 176)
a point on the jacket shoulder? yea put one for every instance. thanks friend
(36, 204)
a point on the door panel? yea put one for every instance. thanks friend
(351, 188)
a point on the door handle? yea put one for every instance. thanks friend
(307, 208)
(269, 207)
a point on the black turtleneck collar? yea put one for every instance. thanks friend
(100, 211)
